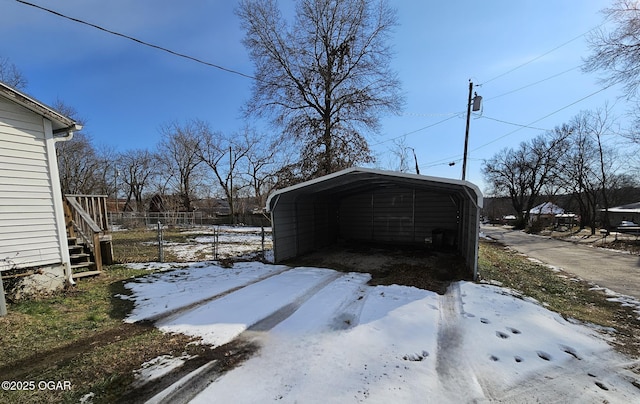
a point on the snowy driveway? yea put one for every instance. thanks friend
(326, 336)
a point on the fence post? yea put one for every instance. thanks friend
(262, 239)
(160, 249)
(215, 243)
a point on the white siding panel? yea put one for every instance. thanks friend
(28, 232)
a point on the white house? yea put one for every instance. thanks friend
(33, 237)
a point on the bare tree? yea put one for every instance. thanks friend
(264, 160)
(523, 173)
(137, 168)
(400, 155)
(79, 166)
(178, 151)
(587, 167)
(617, 52)
(11, 75)
(224, 155)
(326, 78)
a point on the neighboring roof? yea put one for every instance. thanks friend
(354, 179)
(630, 208)
(546, 208)
(59, 122)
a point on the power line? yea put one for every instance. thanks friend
(182, 55)
(511, 123)
(540, 56)
(544, 117)
(532, 84)
(421, 129)
(457, 156)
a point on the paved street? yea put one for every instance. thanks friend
(614, 270)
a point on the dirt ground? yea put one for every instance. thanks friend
(403, 265)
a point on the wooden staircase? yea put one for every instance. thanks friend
(82, 262)
(88, 235)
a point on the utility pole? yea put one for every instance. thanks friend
(476, 107)
(416, 160)
(466, 133)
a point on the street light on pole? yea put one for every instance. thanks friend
(472, 104)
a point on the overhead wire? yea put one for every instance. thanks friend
(509, 92)
(161, 48)
(512, 123)
(533, 84)
(541, 56)
(544, 117)
(457, 156)
(529, 125)
(217, 66)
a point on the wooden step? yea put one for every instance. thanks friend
(85, 274)
(79, 255)
(82, 265)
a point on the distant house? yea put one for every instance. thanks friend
(629, 212)
(545, 213)
(33, 237)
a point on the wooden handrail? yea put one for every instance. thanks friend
(95, 206)
(88, 219)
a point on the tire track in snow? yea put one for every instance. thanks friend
(454, 372)
(284, 312)
(188, 386)
(173, 313)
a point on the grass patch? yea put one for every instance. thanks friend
(142, 245)
(558, 291)
(78, 336)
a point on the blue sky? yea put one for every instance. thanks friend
(125, 91)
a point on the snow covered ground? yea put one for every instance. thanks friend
(328, 337)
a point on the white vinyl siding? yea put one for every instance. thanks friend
(28, 228)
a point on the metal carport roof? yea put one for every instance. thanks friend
(300, 213)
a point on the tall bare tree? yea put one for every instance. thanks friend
(137, 168)
(523, 173)
(224, 155)
(325, 78)
(11, 75)
(264, 160)
(617, 51)
(82, 168)
(399, 155)
(587, 168)
(178, 151)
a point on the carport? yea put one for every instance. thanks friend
(385, 207)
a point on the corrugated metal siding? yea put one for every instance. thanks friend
(305, 230)
(356, 217)
(397, 215)
(28, 233)
(284, 233)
